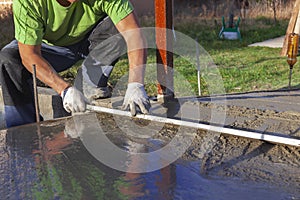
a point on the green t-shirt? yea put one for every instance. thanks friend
(48, 21)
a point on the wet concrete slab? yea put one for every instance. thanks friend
(54, 161)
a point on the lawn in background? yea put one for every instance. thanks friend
(243, 68)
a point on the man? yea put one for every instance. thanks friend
(54, 35)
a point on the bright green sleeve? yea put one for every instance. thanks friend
(28, 24)
(117, 9)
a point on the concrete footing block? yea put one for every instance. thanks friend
(50, 104)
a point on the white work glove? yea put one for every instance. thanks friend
(136, 96)
(73, 100)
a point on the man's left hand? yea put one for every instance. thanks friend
(136, 96)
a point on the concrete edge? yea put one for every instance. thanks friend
(50, 104)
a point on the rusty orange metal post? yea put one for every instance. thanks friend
(164, 43)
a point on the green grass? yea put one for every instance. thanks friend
(242, 68)
(252, 68)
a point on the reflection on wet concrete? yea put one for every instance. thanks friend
(46, 163)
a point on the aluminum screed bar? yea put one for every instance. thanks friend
(278, 139)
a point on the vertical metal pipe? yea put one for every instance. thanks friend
(36, 99)
(198, 68)
(43, 158)
(290, 77)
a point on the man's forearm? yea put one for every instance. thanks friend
(137, 61)
(31, 55)
(137, 55)
(136, 46)
(49, 76)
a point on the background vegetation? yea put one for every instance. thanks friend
(243, 68)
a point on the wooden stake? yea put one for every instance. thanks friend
(164, 43)
(297, 26)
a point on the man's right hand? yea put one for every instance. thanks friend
(73, 100)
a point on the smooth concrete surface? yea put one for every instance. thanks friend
(273, 43)
(279, 101)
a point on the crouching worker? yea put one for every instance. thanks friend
(54, 35)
